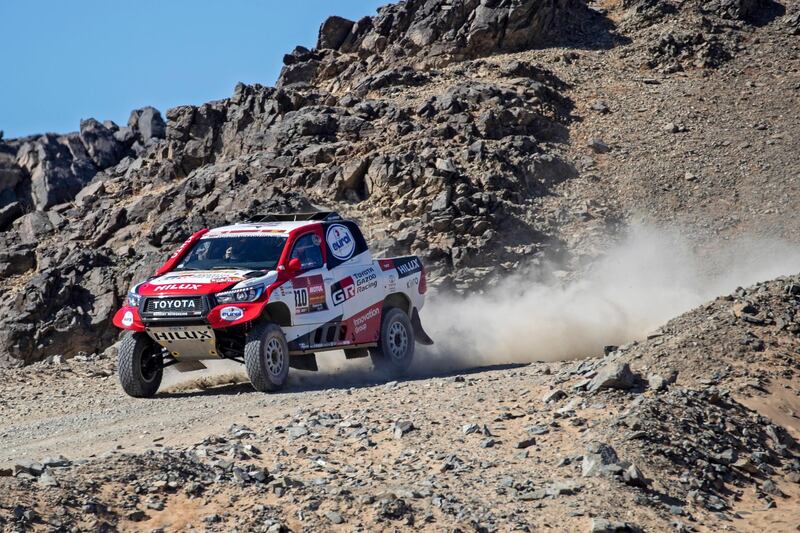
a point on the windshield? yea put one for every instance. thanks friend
(246, 253)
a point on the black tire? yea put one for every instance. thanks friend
(266, 357)
(395, 349)
(140, 366)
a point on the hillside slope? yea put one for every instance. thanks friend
(410, 121)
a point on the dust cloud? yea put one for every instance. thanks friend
(647, 278)
(215, 374)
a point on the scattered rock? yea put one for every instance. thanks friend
(27, 466)
(601, 525)
(402, 428)
(657, 382)
(598, 146)
(554, 395)
(598, 457)
(615, 375)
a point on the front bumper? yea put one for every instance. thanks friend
(217, 316)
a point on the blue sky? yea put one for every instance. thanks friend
(67, 60)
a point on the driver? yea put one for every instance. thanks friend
(309, 254)
(241, 249)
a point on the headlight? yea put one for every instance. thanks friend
(245, 294)
(134, 299)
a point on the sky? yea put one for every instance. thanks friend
(68, 60)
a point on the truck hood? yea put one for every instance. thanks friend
(198, 282)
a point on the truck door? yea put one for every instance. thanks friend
(355, 292)
(310, 287)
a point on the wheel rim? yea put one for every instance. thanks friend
(398, 340)
(273, 353)
(150, 364)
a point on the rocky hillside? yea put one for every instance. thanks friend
(693, 429)
(480, 135)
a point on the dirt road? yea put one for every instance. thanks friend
(73, 409)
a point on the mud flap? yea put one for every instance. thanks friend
(419, 333)
(304, 362)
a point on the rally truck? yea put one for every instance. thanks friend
(271, 293)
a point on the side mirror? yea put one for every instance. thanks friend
(294, 266)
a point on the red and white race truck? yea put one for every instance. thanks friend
(270, 293)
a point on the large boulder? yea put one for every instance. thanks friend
(298, 74)
(63, 309)
(59, 167)
(104, 150)
(147, 122)
(17, 260)
(613, 376)
(333, 32)
(33, 226)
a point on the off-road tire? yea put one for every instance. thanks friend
(266, 357)
(140, 365)
(395, 349)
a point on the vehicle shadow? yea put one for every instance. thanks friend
(302, 382)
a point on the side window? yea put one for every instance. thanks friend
(307, 250)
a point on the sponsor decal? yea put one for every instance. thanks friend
(343, 290)
(309, 294)
(386, 264)
(407, 266)
(177, 287)
(192, 280)
(341, 242)
(245, 233)
(173, 305)
(361, 323)
(188, 335)
(127, 319)
(360, 282)
(230, 314)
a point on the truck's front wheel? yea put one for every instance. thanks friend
(395, 349)
(266, 357)
(140, 366)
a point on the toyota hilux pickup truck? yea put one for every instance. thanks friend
(270, 293)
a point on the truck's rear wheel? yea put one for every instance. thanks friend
(395, 349)
(266, 357)
(140, 366)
